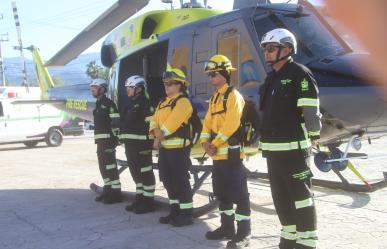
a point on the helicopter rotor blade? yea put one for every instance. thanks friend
(111, 18)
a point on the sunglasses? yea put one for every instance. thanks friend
(212, 74)
(271, 48)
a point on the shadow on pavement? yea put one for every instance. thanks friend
(70, 218)
(21, 147)
(359, 200)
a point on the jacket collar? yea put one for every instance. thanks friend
(223, 89)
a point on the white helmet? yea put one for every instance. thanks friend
(99, 82)
(280, 36)
(135, 81)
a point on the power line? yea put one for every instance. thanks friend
(72, 13)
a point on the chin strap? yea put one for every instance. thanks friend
(101, 91)
(278, 57)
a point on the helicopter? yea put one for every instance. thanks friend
(352, 104)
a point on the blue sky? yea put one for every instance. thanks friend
(50, 24)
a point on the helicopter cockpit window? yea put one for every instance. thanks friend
(314, 40)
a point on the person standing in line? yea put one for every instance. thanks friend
(106, 129)
(169, 126)
(222, 139)
(138, 144)
(290, 125)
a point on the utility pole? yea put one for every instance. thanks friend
(20, 47)
(3, 38)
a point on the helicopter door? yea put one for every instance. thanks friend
(234, 41)
(201, 87)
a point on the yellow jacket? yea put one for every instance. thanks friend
(224, 124)
(169, 120)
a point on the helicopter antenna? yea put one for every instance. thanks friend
(168, 1)
(20, 47)
(239, 4)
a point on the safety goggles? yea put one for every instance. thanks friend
(168, 75)
(211, 65)
(172, 75)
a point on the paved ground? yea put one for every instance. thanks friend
(45, 202)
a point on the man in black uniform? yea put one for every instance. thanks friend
(138, 144)
(290, 124)
(106, 129)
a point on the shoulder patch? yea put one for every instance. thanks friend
(304, 85)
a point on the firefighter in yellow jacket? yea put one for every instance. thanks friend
(168, 122)
(222, 138)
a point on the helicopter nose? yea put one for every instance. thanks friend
(382, 97)
(356, 106)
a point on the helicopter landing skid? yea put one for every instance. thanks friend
(343, 184)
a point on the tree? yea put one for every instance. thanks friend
(95, 71)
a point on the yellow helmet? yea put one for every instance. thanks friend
(217, 63)
(176, 74)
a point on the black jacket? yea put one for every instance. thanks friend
(135, 120)
(290, 108)
(106, 121)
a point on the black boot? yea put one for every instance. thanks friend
(242, 237)
(112, 196)
(133, 205)
(287, 244)
(100, 197)
(225, 231)
(146, 205)
(174, 211)
(183, 219)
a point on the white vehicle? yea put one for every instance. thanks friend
(19, 92)
(30, 123)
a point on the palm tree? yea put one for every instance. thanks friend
(93, 69)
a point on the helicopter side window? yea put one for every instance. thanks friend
(237, 49)
(180, 59)
(228, 45)
(248, 71)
